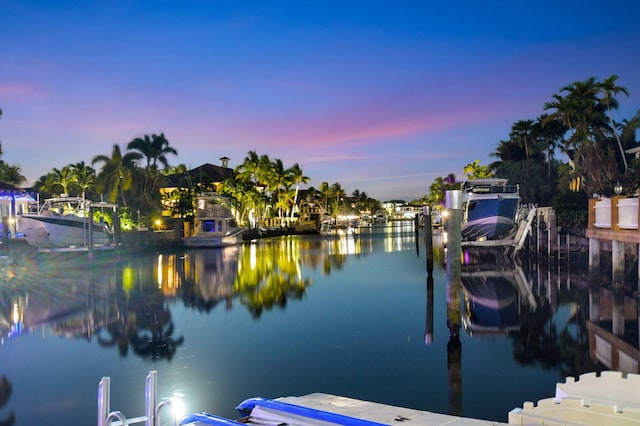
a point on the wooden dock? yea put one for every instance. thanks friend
(613, 221)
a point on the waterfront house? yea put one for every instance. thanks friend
(203, 177)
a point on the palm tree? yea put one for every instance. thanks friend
(63, 178)
(297, 177)
(116, 174)
(325, 191)
(154, 148)
(584, 115)
(551, 133)
(477, 171)
(11, 174)
(608, 89)
(85, 176)
(338, 193)
(254, 168)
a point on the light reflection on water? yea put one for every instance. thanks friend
(348, 314)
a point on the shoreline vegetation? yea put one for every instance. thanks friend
(577, 125)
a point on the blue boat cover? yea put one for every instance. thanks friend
(247, 406)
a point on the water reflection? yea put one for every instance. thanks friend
(503, 297)
(495, 299)
(124, 303)
(5, 394)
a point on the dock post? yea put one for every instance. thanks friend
(428, 237)
(454, 300)
(90, 248)
(428, 333)
(454, 256)
(617, 262)
(594, 256)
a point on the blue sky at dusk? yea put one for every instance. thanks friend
(381, 96)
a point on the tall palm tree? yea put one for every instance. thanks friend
(154, 148)
(338, 193)
(116, 174)
(609, 89)
(584, 115)
(325, 191)
(551, 133)
(297, 177)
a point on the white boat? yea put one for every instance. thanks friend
(489, 209)
(380, 217)
(310, 219)
(63, 222)
(213, 224)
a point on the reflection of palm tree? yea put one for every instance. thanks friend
(153, 336)
(272, 280)
(118, 336)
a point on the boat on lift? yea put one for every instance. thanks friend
(490, 208)
(64, 222)
(213, 225)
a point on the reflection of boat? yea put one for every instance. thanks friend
(63, 222)
(489, 209)
(494, 299)
(214, 272)
(214, 224)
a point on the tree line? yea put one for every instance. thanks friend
(578, 123)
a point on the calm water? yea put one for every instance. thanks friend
(356, 317)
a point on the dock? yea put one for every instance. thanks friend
(613, 221)
(609, 398)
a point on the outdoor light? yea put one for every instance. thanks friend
(617, 188)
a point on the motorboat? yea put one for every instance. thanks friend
(64, 222)
(213, 224)
(489, 209)
(310, 219)
(380, 217)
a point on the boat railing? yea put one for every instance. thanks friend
(493, 189)
(153, 408)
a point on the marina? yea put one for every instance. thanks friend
(294, 316)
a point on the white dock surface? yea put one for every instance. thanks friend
(381, 413)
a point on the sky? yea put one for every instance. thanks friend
(380, 96)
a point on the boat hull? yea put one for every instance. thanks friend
(214, 240)
(489, 217)
(61, 231)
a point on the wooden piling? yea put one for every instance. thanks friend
(428, 238)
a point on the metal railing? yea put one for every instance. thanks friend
(153, 408)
